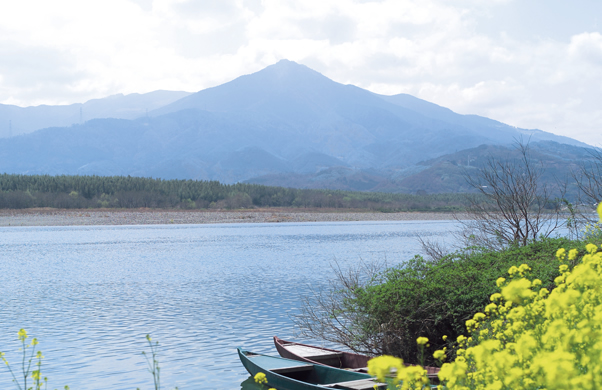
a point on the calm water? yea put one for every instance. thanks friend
(91, 294)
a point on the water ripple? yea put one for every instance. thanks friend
(91, 294)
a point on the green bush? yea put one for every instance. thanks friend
(435, 298)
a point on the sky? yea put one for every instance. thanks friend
(527, 63)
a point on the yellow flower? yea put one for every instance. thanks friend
(600, 212)
(561, 254)
(422, 340)
(591, 248)
(381, 366)
(495, 297)
(22, 334)
(538, 340)
(479, 317)
(523, 269)
(444, 337)
(491, 307)
(518, 290)
(260, 378)
(499, 282)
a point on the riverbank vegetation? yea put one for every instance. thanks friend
(383, 312)
(529, 335)
(80, 192)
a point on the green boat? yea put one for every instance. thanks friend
(287, 374)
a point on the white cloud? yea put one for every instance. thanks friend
(492, 58)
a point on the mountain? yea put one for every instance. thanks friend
(285, 124)
(444, 174)
(27, 119)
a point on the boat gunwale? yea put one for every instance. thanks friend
(298, 383)
(278, 342)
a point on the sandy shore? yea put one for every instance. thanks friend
(54, 217)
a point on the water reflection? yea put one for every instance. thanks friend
(249, 384)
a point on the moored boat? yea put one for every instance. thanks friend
(333, 358)
(287, 374)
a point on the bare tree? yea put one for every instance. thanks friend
(330, 314)
(356, 313)
(588, 178)
(515, 206)
(434, 250)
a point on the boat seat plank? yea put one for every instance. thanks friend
(360, 384)
(307, 352)
(360, 369)
(284, 370)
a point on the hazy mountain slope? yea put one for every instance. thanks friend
(27, 119)
(285, 124)
(443, 174)
(492, 129)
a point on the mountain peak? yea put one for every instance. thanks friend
(247, 92)
(289, 72)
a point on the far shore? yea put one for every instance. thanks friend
(86, 217)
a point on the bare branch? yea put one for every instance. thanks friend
(518, 207)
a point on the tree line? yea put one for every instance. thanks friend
(72, 191)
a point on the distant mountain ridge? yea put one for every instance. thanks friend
(285, 121)
(443, 174)
(25, 120)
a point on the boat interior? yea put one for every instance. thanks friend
(323, 356)
(308, 374)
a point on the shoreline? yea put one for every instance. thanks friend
(96, 217)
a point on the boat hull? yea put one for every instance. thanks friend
(333, 358)
(287, 374)
(344, 360)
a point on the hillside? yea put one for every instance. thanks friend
(284, 125)
(444, 174)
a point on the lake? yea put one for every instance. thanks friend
(91, 294)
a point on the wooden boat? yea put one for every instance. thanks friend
(333, 358)
(287, 374)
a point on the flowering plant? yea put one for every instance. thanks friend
(531, 338)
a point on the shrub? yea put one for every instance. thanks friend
(528, 337)
(431, 298)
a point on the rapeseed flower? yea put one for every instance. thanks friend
(530, 337)
(382, 366)
(260, 378)
(537, 339)
(422, 340)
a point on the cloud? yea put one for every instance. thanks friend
(587, 47)
(492, 58)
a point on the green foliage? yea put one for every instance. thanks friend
(153, 363)
(435, 298)
(30, 374)
(31, 365)
(25, 191)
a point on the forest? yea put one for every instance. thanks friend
(79, 192)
